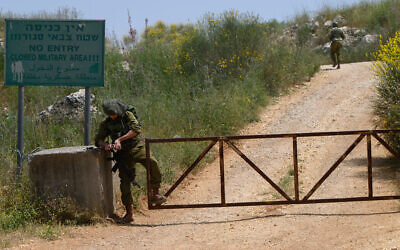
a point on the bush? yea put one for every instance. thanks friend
(387, 102)
(19, 207)
(221, 45)
(359, 53)
(285, 64)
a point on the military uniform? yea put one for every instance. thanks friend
(336, 36)
(133, 150)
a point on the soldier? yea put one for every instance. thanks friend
(336, 36)
(122, 127)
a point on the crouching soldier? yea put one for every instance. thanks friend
(122, 127)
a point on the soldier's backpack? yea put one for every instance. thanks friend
(132, 109)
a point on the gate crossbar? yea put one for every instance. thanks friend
(194, 164)
(334, 166)
(289, 200)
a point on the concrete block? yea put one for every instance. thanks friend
(83, 174)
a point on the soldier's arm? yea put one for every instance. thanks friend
(100, 137)
(133, 124)
(134, 129)
(104, 145)
(330, 35)
(129, 135)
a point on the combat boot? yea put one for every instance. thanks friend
(157, 198)
(338, 64)
(128, 217)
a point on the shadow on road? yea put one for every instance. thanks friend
(384, 168)
(376, 162)
(257, 218)
(327, 69)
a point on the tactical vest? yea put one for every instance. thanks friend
(119, 127)
(336, 34)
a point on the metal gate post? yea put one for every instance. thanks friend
(221, 168)
(295, 168)
(148, 169)
(369, 156)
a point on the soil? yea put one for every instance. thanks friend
(334, 100)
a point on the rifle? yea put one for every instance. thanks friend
(119, 162)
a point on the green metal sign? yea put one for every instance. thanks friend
(54, 52)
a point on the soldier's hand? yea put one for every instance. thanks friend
(117, 145)
(108, 147)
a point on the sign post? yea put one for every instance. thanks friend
(20, 126)
(87, 117)
(53, 53)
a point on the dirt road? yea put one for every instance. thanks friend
(333, 100)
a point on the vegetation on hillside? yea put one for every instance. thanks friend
(379, 17)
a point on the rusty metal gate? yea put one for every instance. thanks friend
(287, 200)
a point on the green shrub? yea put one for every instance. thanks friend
(359, 53)
(387, 102)
(285, 64)
(20, 207)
